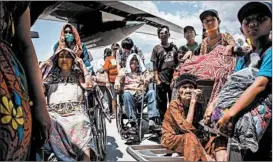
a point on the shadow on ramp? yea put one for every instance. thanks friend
(112, 152)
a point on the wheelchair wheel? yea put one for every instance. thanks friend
(143, 130)
(119, 115)
(234, 153)
(104, 135)
(95, 157)
(100, 132)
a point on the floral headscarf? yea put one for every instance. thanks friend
(77, 46)
(46, 70)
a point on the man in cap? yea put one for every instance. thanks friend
(192, 47)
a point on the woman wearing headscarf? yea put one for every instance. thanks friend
(70, 38)
(21, 94)
(216, 60)
(64, 84)
(180, 126)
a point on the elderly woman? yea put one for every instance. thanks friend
(64, 83)
(180, 124)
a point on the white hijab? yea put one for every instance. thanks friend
(142, 67)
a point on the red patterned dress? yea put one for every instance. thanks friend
(213, 63)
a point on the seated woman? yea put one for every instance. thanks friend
(246, 97)
(71, 138)
(181, 121)
(215, 61)
(136, 79)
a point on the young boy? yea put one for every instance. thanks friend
(192, 47)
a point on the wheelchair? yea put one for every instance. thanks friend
(97, 111)
(141, 115)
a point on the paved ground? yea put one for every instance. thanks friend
(116, 147)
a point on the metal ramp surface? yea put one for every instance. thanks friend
(152, 153)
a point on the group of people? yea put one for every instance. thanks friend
(43, 105)
(240, 103)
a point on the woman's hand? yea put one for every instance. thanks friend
(208, 113)
(88, 81)
(195, 95)
(229, 49)
(46, 63)
(94, 78)
(157, 81)
(49, 62)
(246, 49)
(42, 124)
(187, 55)
(80, 62)
(224, 120)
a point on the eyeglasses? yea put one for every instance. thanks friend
(258, 18)
(164, 32)
(206, 21)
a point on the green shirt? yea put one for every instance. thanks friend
(193, 47)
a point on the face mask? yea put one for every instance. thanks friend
(69, 38)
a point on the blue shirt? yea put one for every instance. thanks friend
(266, 65)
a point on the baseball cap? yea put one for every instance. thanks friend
(189, 28)
(211, 12)
(254, 7)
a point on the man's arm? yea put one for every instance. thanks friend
(249, 95)
(85, 56)
(55, 47)
(154, 60)
(156, 75)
